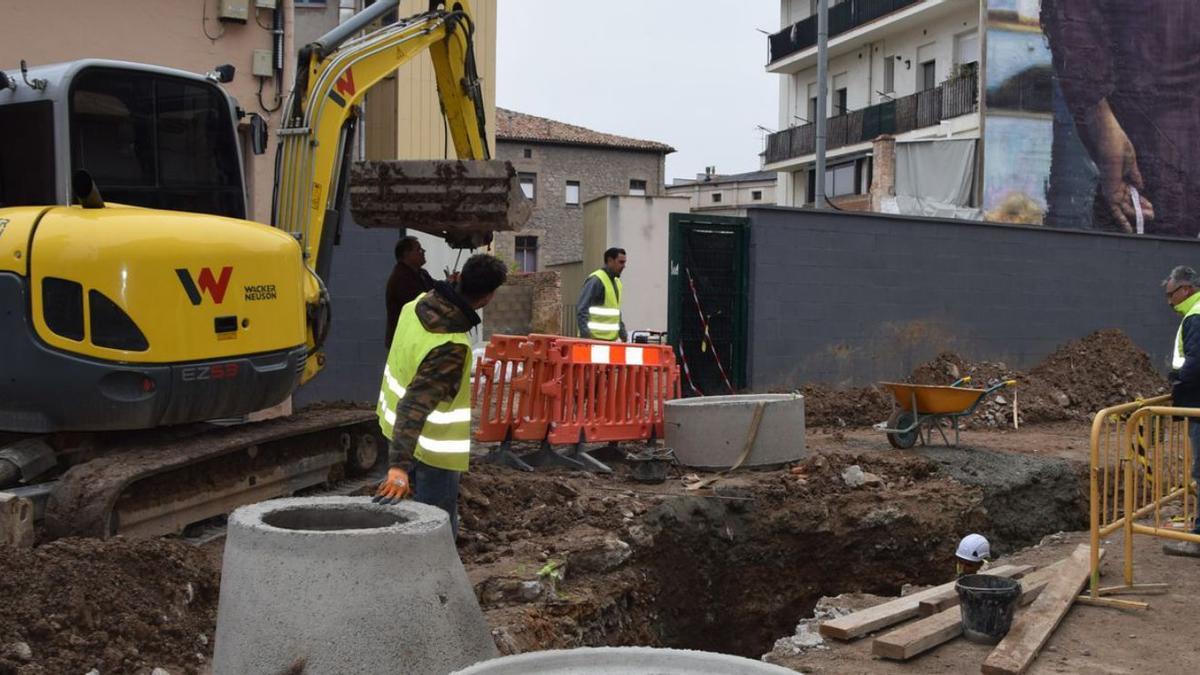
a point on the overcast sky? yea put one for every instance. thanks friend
(688, 73)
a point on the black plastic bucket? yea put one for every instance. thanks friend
(987, 604)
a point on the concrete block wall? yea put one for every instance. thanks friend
(852, 298)
(355, 350)
(526, 303)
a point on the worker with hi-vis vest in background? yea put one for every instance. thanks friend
(598, 312)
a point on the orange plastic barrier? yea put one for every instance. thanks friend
(606, 391)
(569, 390)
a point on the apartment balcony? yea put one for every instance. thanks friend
(953, 98)
(853, 23)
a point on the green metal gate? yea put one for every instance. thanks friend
(713, 254)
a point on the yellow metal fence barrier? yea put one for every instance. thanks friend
(1140, 461)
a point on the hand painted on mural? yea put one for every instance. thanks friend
(1116, 160)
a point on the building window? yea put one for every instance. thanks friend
(528, 185)
(528, 153)
(928, 75)
(716, 197)
(840, 97)
(889, 74)
(572, 193)
(637, 188)
(842, 179)
(966, 48)
(756, 195)
(526, 250)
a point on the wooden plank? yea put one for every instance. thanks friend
(908, 641)
(920, 636)
(892, 612)
(1032, 629)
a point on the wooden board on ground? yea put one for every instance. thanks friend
(1032, 629)
(920, 636)
(892, 612)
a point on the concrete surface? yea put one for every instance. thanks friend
(341, 585)
(618, 660)
(711, 432)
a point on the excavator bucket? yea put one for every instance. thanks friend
(463, 202)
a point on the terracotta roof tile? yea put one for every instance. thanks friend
(515, 126)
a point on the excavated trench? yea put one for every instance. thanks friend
(735, 572)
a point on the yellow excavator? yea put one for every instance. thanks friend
(137, 303)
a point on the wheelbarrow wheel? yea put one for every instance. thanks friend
(902, 419)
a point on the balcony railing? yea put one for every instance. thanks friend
(954, 97)
(844, 16)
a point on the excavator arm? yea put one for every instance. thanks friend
(333, 76)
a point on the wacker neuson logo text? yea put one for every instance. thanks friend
(261, 292)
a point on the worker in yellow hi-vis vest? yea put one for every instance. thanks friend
(425, 397)
(598, 312)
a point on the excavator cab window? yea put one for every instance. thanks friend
(27, 154)
(157, 141)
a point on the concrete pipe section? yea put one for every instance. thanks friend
(711, 432)
(341, 585)
(623, 660)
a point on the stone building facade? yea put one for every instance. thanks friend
(563, 166)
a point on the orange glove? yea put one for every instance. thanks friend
(394, 488)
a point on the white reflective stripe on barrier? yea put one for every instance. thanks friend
(393, 383)
(604, 311)
(448, 447)
(601, 353)
(449, 416)
(633, 356)
(593, 326)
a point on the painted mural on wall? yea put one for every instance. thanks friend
(1093, 115)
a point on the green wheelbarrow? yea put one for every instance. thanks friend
(918, 409)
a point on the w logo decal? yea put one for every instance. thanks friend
(207, 283)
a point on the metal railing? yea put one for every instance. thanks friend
(1140, 462)
(844, 16)
(956, 96)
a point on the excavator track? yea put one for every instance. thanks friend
(158, 487)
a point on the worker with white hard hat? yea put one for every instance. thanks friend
(972, 554)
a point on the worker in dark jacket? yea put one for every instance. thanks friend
(598, 312)
(425, 396)
(1183, 294)
(408, 280)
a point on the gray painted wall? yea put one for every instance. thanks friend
(851, 298)
(355, 351)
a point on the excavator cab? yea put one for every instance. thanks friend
(153, 302)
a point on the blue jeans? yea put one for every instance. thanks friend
(437, 487)
(1194, 437)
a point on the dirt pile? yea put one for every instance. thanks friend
(1079, 378)
(115, 606)
(1103, 369)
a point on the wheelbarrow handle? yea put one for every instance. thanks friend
(1001, 385)
(961, 381)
